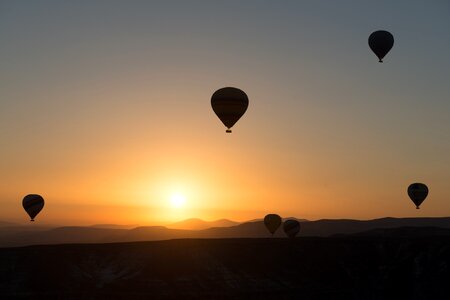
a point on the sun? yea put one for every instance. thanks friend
(177, 200)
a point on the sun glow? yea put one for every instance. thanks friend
(177, 200)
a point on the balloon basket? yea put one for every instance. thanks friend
(228, 131)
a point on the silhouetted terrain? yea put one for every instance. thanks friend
(386, 266)
(198, 224)
(15, 236)
(113, 226)
(3, 223)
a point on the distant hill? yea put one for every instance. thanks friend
(327, 227)
(3, 223)
(284, 219)
(113, 226)
(198, 224)
(13, 228)
(349, 267)
(403, 232)
(321, 228)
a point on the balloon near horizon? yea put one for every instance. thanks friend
(272, 222)
(417, 192)
(33, 204)
(291, 228)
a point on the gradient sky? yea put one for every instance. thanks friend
(105, 109)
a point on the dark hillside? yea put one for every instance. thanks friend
(365, 267)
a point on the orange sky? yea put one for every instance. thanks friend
(105, 111)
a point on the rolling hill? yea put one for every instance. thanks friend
(198, 224)
(17, 237)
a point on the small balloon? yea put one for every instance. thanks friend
(381, 43)
(418, 192)
(33, 204)
(291, 228)
(272, 222)
(229, 104)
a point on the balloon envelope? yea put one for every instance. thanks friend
(381, 43)
(417, 192)
(272, 222)
(291, 228)
(229, 104)
(33, 204)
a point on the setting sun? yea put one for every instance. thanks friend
(177, 200)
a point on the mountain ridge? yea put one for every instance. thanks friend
(198, 224)
(320, 228)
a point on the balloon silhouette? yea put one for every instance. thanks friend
(417, 192)
(229, 104)
(291, 228)
(272, 222)
(381, 43)
(33, 204)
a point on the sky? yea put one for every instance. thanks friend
(105, 109)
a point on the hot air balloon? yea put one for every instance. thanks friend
(381, 43)
(229, 104)
(417, 192)
(33, 204)
(272, 222)
(291, 228)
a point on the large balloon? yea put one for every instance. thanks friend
(272, 222)
(33, 204)
(291, 228)
(229, 104)
(417, 192)
(381, 42)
